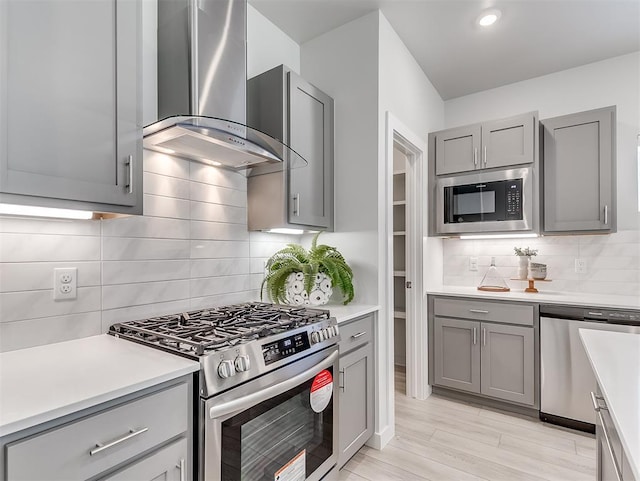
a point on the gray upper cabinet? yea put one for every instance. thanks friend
(579, 172)
(497, 143)
(70, 122)
(300, 195)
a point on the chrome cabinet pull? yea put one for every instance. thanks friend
(606, 215)
(296, 204)
(132, 434)
(484, 336)
(475, 156)
(600, 314)
(129, 184)
(408, 284)
(360, 334)
(475, 336)
(180, 466)
(341, 385)
(478, 311)
(485, 155)
(598, 409)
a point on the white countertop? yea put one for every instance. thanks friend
(344, 313)
(544, 297)
(45, 382)
(615, 359)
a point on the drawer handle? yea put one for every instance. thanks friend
(180, 466)
(344, 377)
(129, 184)
(478, 311)
(475, 336)
(132, 434)
(484, 336)
(605, 434)
(360, 334)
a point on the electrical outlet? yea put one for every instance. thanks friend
(473, 264)
(581, 266)
(65, 281)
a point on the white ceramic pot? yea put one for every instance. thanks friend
(320, 290)
(523, 267)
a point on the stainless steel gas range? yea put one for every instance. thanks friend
(267, 405)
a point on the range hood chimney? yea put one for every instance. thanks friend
(202, 79)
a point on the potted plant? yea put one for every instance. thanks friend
(297, 276)
(524, 256)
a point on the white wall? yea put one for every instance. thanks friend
(268, 46)
(615, 81)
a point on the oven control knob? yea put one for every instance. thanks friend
(242, 363)
(332, 331)
(226, 369)
(315, 337)
(336, 331)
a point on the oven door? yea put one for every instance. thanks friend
(499, 201)
(282, 425)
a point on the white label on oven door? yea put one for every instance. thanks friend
(321, 391)
(294, 470)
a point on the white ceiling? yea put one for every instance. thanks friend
(533, 37)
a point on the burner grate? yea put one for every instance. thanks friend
(209, 330)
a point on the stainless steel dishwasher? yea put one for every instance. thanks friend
(566, 378)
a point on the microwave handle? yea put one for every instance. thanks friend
(240, 404)
(475, 156)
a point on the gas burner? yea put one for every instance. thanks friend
(206, 331)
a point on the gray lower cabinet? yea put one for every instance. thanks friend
(579, 172)
(497, 143)
(356, 391)
(70, 122)
(300, 195)
(494, 357)
(143, 436)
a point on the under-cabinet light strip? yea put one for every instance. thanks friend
(497, 236)
(29, 210)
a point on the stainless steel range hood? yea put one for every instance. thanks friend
(202, 79)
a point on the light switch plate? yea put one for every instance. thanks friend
(473, 264)
(581, 266)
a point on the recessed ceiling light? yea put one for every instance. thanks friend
(489, 17)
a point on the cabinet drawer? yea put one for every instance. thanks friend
(65, 453)
(356, 333)
(485, 311)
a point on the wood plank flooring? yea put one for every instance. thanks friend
(443, 440)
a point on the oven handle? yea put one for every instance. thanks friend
(221, 410)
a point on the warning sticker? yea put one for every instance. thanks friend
(321, 391)
(294, 470)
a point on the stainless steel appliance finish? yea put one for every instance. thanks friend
(202, 78)
(259, 363)
(566, 377)
(524, 202)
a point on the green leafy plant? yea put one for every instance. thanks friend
(525, 252)
(319, 259)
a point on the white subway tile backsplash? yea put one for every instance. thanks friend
(163, 164)
(47, 330)
(33, 304)
(156, 184)
(128, 272)
(125, 295)
(41, 248)
(212, 286)
(218, 213)
(126, 248)
(202, 249)
(218, 195)
(219, 177)
(141, 226)
(218, 267)
(37, 225)
(27, 276)
(223, 299)
(133, 313)
(201, 230)
(158, 206)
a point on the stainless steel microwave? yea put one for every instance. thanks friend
(497, 201)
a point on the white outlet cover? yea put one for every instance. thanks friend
(65, 282)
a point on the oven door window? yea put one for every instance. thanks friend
(281, 433)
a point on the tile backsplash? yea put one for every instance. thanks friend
(190, 249)
(613, 262)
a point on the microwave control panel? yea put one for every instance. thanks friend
(513, 199)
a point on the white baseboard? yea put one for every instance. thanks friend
(381, 439)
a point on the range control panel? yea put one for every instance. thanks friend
(285, 347)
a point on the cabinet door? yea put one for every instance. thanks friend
(69, 122)
(508, 141)
(507, 362)
(356, 401)
(457, 354)
(579, 172)
(170, 463)
(458, 150)
(310, 135)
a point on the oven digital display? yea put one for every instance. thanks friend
(288, 346)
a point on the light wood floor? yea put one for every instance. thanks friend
(443, 440)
